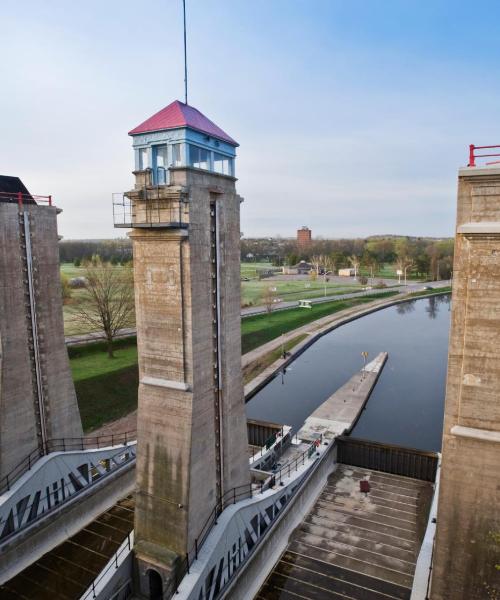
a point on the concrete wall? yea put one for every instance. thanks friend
(177, 419)
(469, 498)
(20, 426)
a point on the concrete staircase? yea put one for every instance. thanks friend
(353, 546)
(66, 572)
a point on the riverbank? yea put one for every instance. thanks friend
(313, 332)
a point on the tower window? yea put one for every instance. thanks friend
(176, 155)
(161, 156)
(143, 159)
(160, 153)
(222, 164)
(198, 157)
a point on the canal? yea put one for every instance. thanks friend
(407, 404)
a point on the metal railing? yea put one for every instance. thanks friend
(473, 155)
(114, 563)
(36, 505)
(230, 497)
(63, 445)
(293, 465)
(22, 199)
(150, 208)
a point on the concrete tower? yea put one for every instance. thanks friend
(468, 523)
(192, 437)
(37, 396)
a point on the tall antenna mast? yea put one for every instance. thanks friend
(185, 56)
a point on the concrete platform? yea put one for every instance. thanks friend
(353, 546)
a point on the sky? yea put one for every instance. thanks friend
(353, 116)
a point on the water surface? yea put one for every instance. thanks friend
(407, 404)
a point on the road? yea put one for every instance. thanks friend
(85, 338)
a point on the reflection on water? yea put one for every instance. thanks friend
(407, 405)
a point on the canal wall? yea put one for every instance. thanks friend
(314, 331)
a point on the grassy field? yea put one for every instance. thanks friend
(252, 291)
(387, 271)
(263, 328)
(249, 269)
(106, 388)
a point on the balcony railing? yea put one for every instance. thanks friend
(22, 199)
(473, 154)
(151, 210)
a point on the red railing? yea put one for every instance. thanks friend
(473, 155)
(21, 198)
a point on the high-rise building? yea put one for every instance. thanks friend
(304, 238)
(468, 522)
(192, 433)
(37, 396)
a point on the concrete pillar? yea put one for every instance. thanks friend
(192, 433)
(468, 514)
(37, 396)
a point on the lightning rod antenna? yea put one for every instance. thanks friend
(185, 56)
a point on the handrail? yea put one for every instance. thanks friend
(126, 547)
(21, 198)
(473, 155)
(230, 498)
(63, 445)
(40, 505)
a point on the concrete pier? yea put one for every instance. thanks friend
(340, 412)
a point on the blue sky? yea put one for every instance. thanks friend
(353, 116)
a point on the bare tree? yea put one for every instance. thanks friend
(373, 266)
(404, 263)
(269, 298)
(316, 263)
(354, 260)
(109, 304)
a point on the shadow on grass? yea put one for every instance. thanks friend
(107, 397)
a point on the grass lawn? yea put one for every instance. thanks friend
(252, 291)
(95, 363)
(260, 329)
(249, 269)
(106, 388)
(107, 397)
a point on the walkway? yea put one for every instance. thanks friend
(355, 546)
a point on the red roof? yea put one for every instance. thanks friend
(177, 115)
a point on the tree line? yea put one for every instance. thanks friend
(118, 251)
(423, 257)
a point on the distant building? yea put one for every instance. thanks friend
(304, 237)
